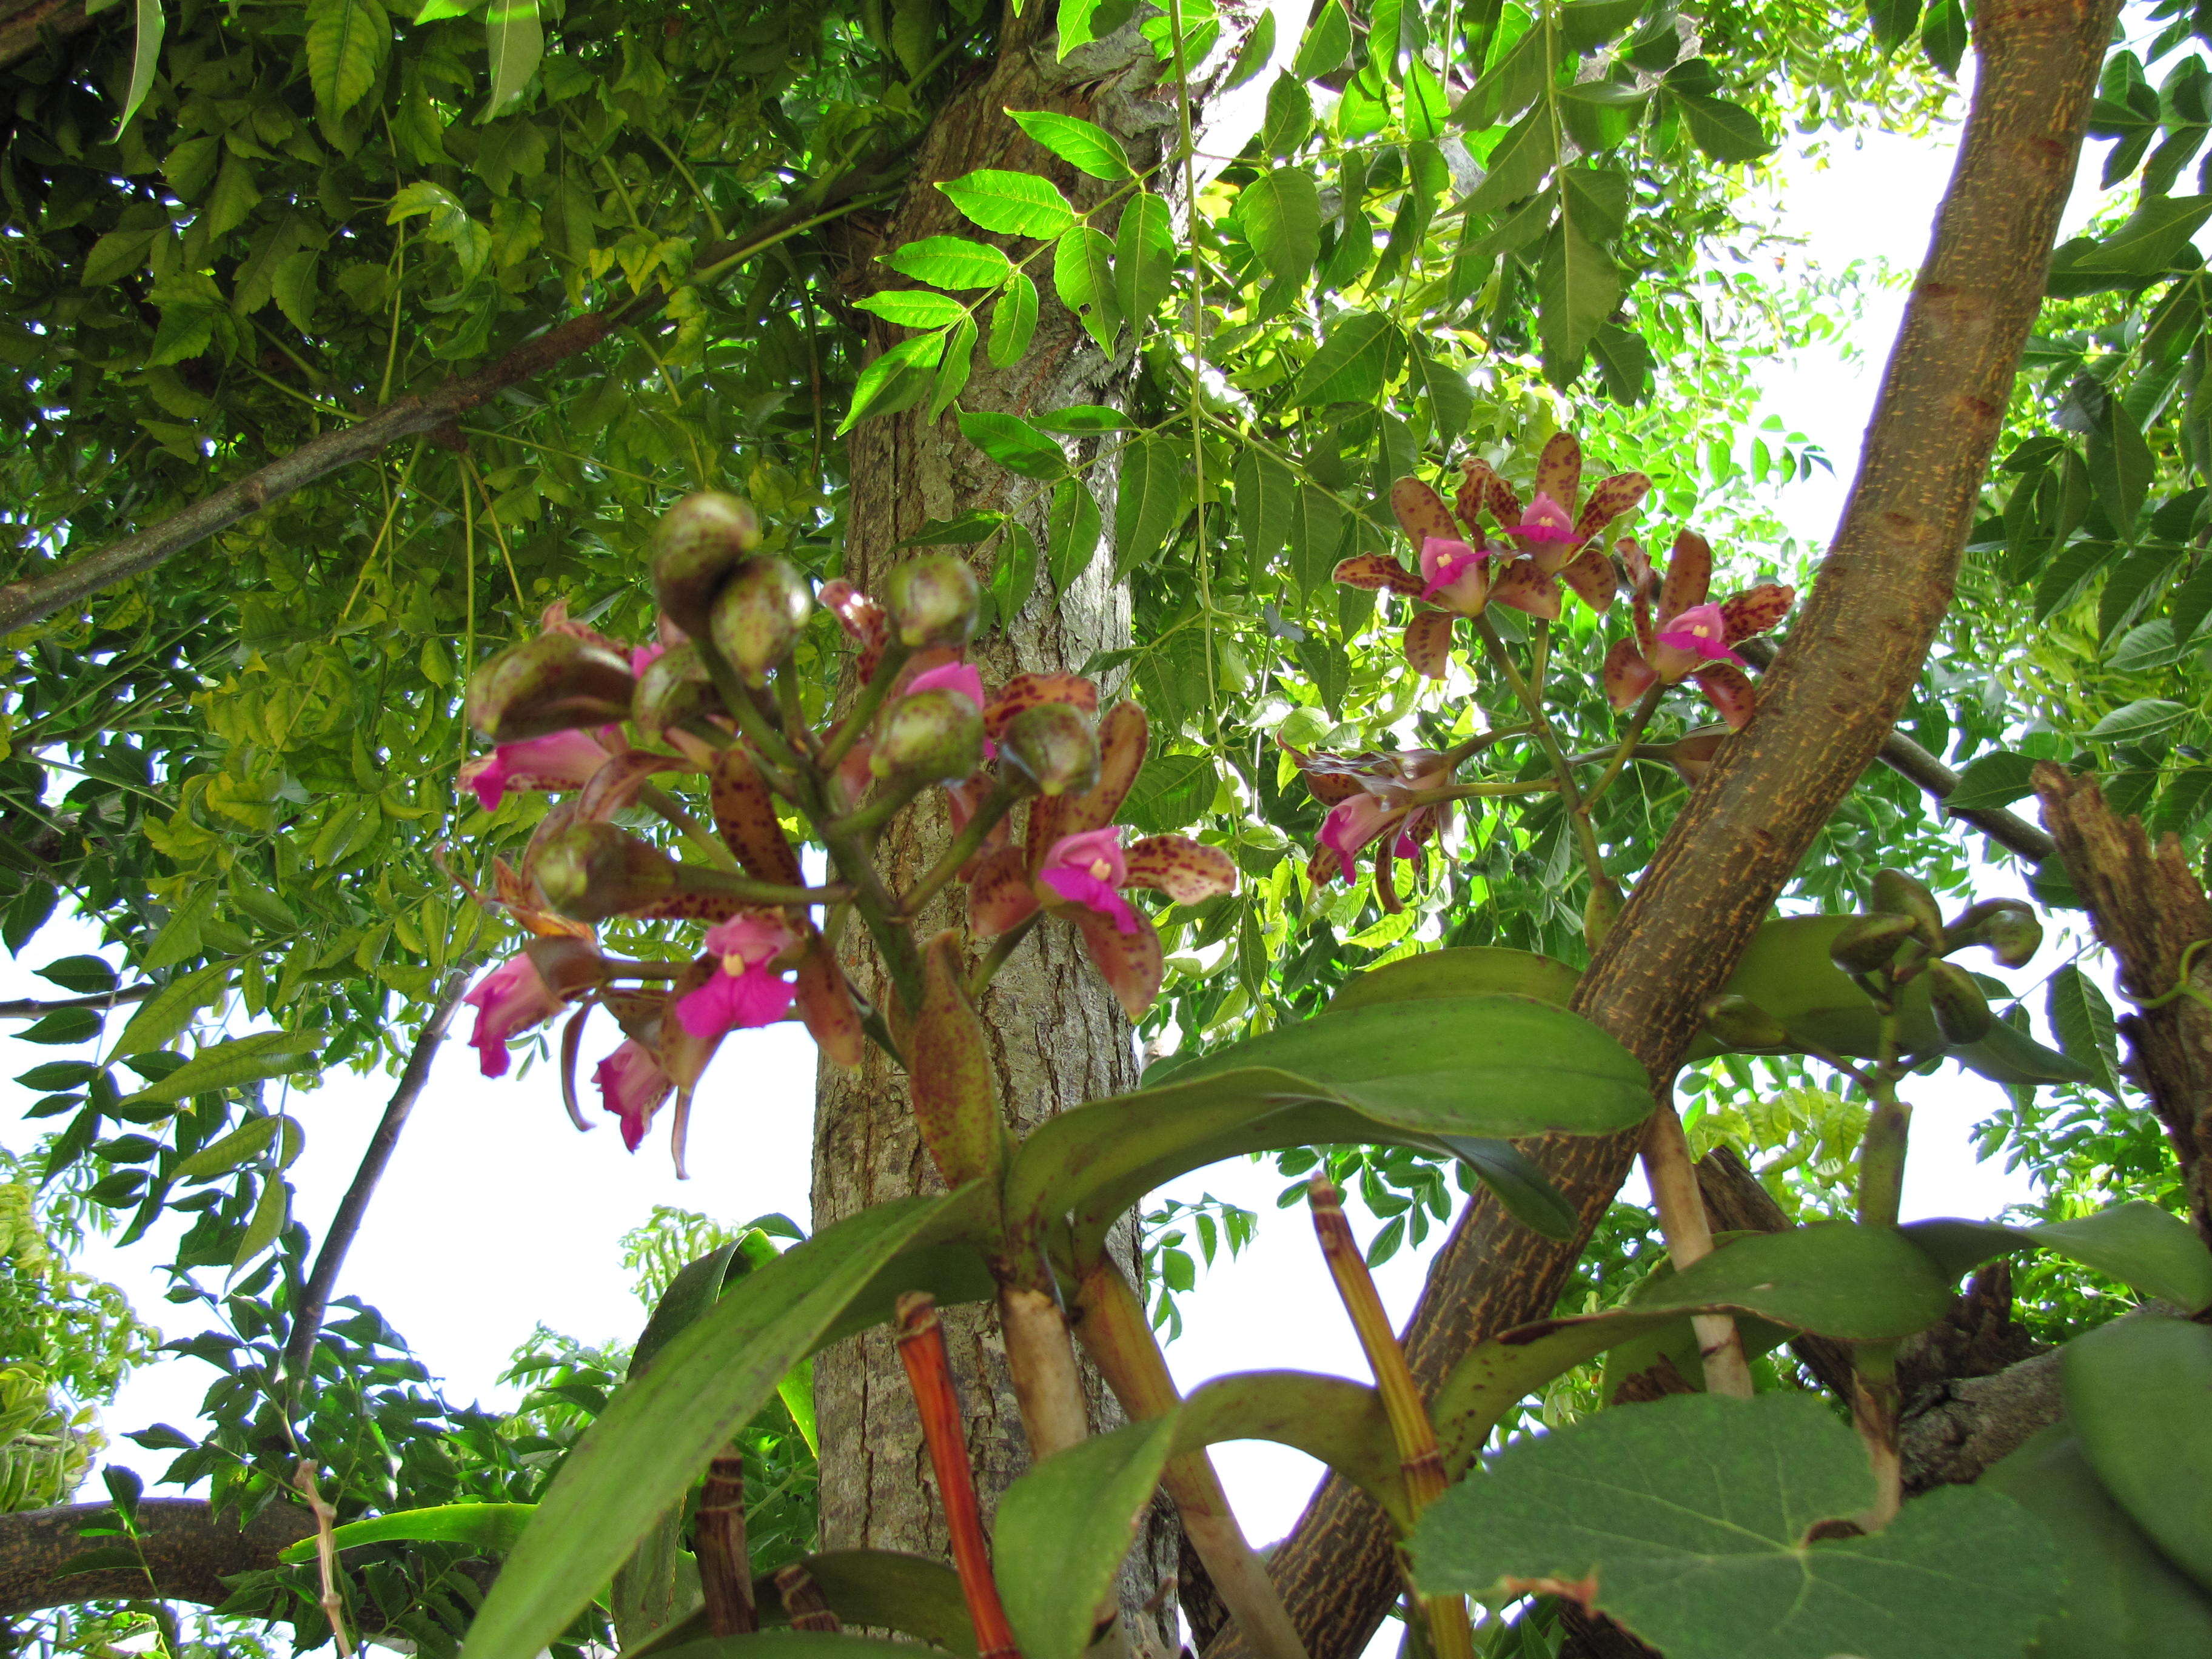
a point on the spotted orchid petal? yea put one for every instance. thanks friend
(1729, 691)
(1590, 574)
(1697, 636)
(1520, 583)
(1428, 642)
(1375, 571)
(1560, 473)
(1627, 677)
(999, 897)
(1754, 611)
(1130, 962)
(1689, 576)
(1621, 493)
(1186, 870)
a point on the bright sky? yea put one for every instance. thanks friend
(496, 1214)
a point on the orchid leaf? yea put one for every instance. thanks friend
(2136, 1392)
(491, 1528)
(2149, 1249)
(875, 1590)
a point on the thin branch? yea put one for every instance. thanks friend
(33, 599)
(32, 1008)
(315, 1299)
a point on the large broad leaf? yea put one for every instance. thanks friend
(659, 1432)
(2139, 1395)
(1504, 1066)
(1685, 1519)
(875, 1590)
(2124, 1600)
(2137, 1243)
(1062, 1529)
(491, 1529)
(1332, 1419)
(1460, 971)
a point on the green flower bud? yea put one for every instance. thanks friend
(590, 871)
(701, 541)
(931, 737)
(2014, 936)
(1053, 748)
(1868, 943)
(1962, 1013)
(1740, 1023)
(553, 682)
(1897, 894)
(673, 689)
(933, 600)
(759, 615)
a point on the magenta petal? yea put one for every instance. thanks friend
(1092, 893)
(728, 1001)
(961, 677)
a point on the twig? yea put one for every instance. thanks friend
(32, 1008)
(326, 1555)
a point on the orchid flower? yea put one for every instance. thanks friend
(560, 760)
(632, 1086)
(744, 992)
(508, 1001)
(1560, 540)
(1369, 800)
(1690, 638)
(1070, 863)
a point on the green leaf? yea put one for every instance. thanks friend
(1013, 321)
(953, 262)
(266, 1225)
(1328, 43)
(1144, 257)
(1083, 277)
(1014, 577)
(115, 256)
(235, 1064)
(1893, 21)
(1082, 144)
(1063, 1528)
(2146, 244)
(1072, 526)
(1997, 779)
(658, 1433)
(894, 380)
(1451, 402)
(1256, 54)
(1014, 444)
(1082, 418)
(347, 41)
(2083, 1020)
(2145, 1247)
(1355, 357)
(1518, 165)
(488, 1528)
(163, 1016)
(1577, 288)
(148, 26)
(2123, 1599)
(1315, 535)
(1586, 25)
(2135, 1391)
(63, 1025)
(1150, 503)
(1011, 204)
(1686, 1517)
(1267, 493)
(2133, 722)
(1170, 791)
(1279, 212)
(1943, 35)
(1727, 132)
(1290, 119)
(515, 39)
(241, 1146)
(914, 307)
(953, 368)
(1082, 21)
(2120, 464)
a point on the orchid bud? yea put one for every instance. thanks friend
(1692, 754)
(701, 540)
(1740, 1023)
(592, 871)
(759, 615)
(1867, 943)
(933, 600)
(2007, 926)
(1053, 748)
(569, 966)
(931, 737)
(553, 682)
(1898, 894)
(674, 689)
(1962, 1013)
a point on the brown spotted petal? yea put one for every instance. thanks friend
(1730, 689)
(1525, 587)
(1428, 642)
(1324, 866)
(1034, 691)
(744, 812)
(1131, 963)
(682, 1056)
(1421, 513)
(1329, 778)
(999, 895)
(1187, 871)
(618, 780)
(1591, 576)
(1123, 736)
(1627, 677)
(1642, 580)
(1755, 609)
(1613, 497)
(864, 621)
(1484, 491)
(1377, 570)
(1689, 576)
(825, 1003)
(1560, 470)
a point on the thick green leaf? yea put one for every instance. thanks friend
(491, 1529)
(233, 1064)
(1084, 145)
(1460, 971)
(1518, 1182)
(515, 40)
(2123, 1599)
(1013, 321)
(1014, 444)
(2148, 1248)
(953, 262)
(1062, 1529)
(2008, 1055)
(1685, 1519)
(1279, 212)
(1332, 1419)
(659, 1432)
(2136, 1393)
(1082, 418)
(1011, 204)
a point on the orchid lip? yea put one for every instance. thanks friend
(1699, 645)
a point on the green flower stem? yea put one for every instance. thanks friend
(1881, 1189)
(622, 968)
(1001, 948)
(862, 714)
(653, 796)
(1450, 792)
(1621, 757)
(1530, 699)
(796, 730)
(866, 821)
(1460, 753)
(778, 765)
(965, 845)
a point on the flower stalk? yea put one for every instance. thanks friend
(718, 1543)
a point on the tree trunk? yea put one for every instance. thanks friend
(1059, 1038)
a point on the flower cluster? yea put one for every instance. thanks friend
(1029, 777)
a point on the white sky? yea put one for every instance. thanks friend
(495, 1214)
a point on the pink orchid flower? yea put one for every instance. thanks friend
(559, 760)
(510, 998)
(1088, 870)
(745, 993)
(1369, 797)
(1543, 524)
(632, 1086)
(1351, 825)
(1457, 574)
(1690, 639)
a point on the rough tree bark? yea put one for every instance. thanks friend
(1826, 709)
(190, 1549)
(1059, 1038)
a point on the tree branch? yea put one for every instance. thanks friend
(32, 1008)
(33, 599)
(330, 1262)
(1825, 713)
(25, 25)
(189, 1551)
